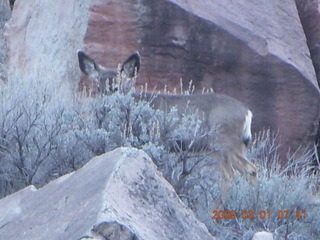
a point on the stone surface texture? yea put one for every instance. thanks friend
(123, 186)
(310, 19)
(5, 13)
(43, 38)
(262, 236)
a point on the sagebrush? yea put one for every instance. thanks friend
(43, 136)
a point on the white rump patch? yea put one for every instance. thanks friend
(247, 136)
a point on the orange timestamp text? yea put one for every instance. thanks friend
(259, 215)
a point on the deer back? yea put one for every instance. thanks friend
(227, 120)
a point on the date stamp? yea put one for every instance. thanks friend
(260, 215)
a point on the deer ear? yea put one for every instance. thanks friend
(88, 65)
(131, 66)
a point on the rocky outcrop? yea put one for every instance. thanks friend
(117, 194)
(310, 19)
(255, 52)
(42, 39)
(263, 236)
(5, 13)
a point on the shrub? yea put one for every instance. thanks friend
(44, 134)
(32, 133)
(107, 122)
(280, 200)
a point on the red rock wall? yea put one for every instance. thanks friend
(255, 52)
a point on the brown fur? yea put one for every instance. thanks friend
(216, 111)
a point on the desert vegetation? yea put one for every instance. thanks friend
(45, 134)
(285, 199)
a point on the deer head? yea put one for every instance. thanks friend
(111, 80)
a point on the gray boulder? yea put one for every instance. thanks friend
(118, 195)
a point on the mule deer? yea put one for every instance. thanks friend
(227, 120)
